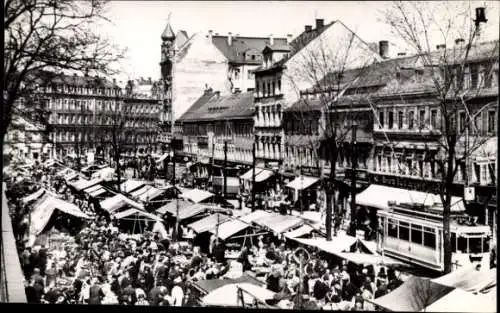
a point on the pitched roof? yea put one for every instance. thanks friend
(214, 107)
(240, 45)
(181, 38)
(47, 77)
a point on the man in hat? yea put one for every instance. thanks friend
(95, 292)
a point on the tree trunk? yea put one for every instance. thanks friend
(448, 185)
(330, 190)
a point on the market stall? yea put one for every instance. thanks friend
(131, 185)
(135, 220)
(118, 202)
(239, 295)
(196, 195)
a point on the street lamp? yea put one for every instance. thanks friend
(172, 157)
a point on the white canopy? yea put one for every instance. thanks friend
(147, 193)
(136, 193)
(119, 201)
(468, 278)
(83, 183)
(160, 229)
(227, 295)
(462, 301)
(299, 232)
(95, 191)
(229, 228)
(338, 244)
(137, 214)
(131, 185)
(378, 196)
(279, 223)
(263, 175)
(37, 194)
(196, 195)
(248, 175)
(207, 223)
(106, 174)
(302, 182)
(254, 216)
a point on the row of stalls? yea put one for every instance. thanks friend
(463, 290)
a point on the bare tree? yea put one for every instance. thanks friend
(328, 68)
(50, 35)
(455, 83)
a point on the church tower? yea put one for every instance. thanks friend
(167, 68)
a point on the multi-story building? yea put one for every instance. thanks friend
(84, 110)
(223, 63)
(410, 145)
(286, 72)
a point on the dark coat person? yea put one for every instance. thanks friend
(95, 294)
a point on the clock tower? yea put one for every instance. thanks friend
(167, 68)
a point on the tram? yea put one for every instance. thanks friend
(415, 235)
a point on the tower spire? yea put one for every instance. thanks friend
(168, 32)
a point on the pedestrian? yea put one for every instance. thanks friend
(177, 294)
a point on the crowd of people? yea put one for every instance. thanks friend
(101, 264)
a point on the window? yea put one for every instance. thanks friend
(237, 73)
(250, 75)
(429, 237)
(491, 122)
(416, 234)
(421, 119)
(279, 85)
(404, 231)
(462, 245)
(400, 119)
(410, 119)
(381, 119)
(461, 121)
(392, 228)
(434, 123)
(475, 245)
(474, 74)
(488, 76)
(391, 119)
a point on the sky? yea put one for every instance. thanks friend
(137, 25)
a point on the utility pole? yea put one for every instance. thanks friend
(301, 190)
(352, 227)
(176, 228)
(253, 176)
(225, 169)
(212, 166)
(173, 166)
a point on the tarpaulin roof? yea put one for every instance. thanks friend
(83, 183)
(151, 194)
(136, 193)
(462, 301)
(248, 175)
(209, 285)
(131, 185)
(338, 244)
(367, 258)
(279, 223)
(190, 211)
(413, 295)
(205, 224)
(37, 194)
(299, 232)
(263, 175)
(64, 171)
(302, 182)
(229, 228)
(138, 214)
(468, 278)
(43, 212)
(227, 295)
(119, 201)
(378, 196)
(196, 195)
(171, 207)
(95, 191)
(254, 216)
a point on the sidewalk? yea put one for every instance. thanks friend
(11, 277)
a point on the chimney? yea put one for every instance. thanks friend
(114, 81)
(229, 38)
(320, 23)
(308, 28)
(459, 42)
(271, 40)
(210, 33)
(217, 93)
(401, 54)
(441, 46)
(383, 48)
(289, 38)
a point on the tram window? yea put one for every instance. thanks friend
(486, 245)
(392, 229)
(416, 234)
(404, 231)
(475, 245)
(429, 239)
(462, 245)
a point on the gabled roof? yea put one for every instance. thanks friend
(47, 78)
(278, 47)
(239, 45)
(212, 107)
